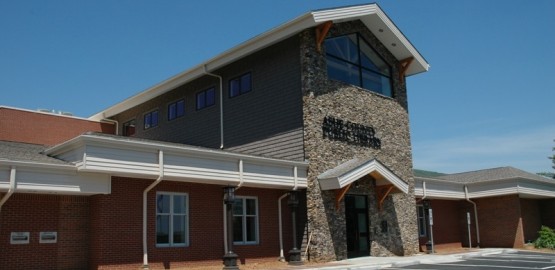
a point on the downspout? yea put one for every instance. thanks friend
(281, 256)
(224, 212)
(158, 180)
(475, 215)
(424, 195)
(221, 106)
(11, 190)
(112, 121)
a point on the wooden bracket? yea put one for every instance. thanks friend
(381, 194)
(339, 194)
(321, 33)
(403, 67)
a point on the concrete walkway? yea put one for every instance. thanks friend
(365, 263)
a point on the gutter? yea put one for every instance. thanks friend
(475, 215)
(145, 205)
(11, 190)
(221, 105)
(113, 122)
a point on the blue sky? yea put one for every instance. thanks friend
(487, 101)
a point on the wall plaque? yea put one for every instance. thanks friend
(353, 133)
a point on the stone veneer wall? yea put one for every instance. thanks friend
(389, 117)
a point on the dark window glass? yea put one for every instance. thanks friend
(206, 98)
(129, 128)
(240, 85)
(151, 120)
(350, 59)
(171, 220)
(176, 109)
(245, 221)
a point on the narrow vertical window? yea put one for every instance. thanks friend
(240, 85)
(171, 219)
(421, 221)
(245, 221)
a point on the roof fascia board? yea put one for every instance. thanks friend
(364, 169)
(136, 145)
(40, 165)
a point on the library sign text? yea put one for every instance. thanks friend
(353, 133)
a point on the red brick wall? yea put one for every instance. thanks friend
(531, 219)
(450, 229)
(46, 129)
(67, 215)
(500, 222)
(116, 225)
(547, 209)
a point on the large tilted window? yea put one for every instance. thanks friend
(171, 219)
(350, 59)
(245, 220)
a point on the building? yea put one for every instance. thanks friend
(316, 107)
(499, 207)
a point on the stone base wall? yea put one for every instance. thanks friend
(389, 117)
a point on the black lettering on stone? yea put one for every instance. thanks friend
(352, 133)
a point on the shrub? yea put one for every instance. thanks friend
(546, 239)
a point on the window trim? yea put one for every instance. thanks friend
(157, 119)
(239, 79)
(244, 217)
(175, 103)
(205, 91)
(361, 68)
(171, 214)
(424, 220)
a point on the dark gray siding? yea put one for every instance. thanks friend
(266, 121)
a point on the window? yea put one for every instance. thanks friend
(206, 98)
(350, 59)
(245, 220)
(129, 128)
(172, 219)
(151, 119)
(240, 85)
(421, 212)
(176, 109)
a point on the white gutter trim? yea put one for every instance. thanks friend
(158, 180)
(12, 187)
(68, 167)
(221, 104)
(475, 215)
(295, 178)
(240, 174)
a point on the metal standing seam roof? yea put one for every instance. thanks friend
(494, 174)
(25, 152)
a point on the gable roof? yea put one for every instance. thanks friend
(495, 174)
(370, 14)
(26, 152)
(352, 170)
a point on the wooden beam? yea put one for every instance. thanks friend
(403, 67)
(381, 194)
(339, 194)
(321, 33)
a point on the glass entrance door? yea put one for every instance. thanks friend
(358, 238)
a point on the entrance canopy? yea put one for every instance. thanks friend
(341, 177)
(354, 169)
